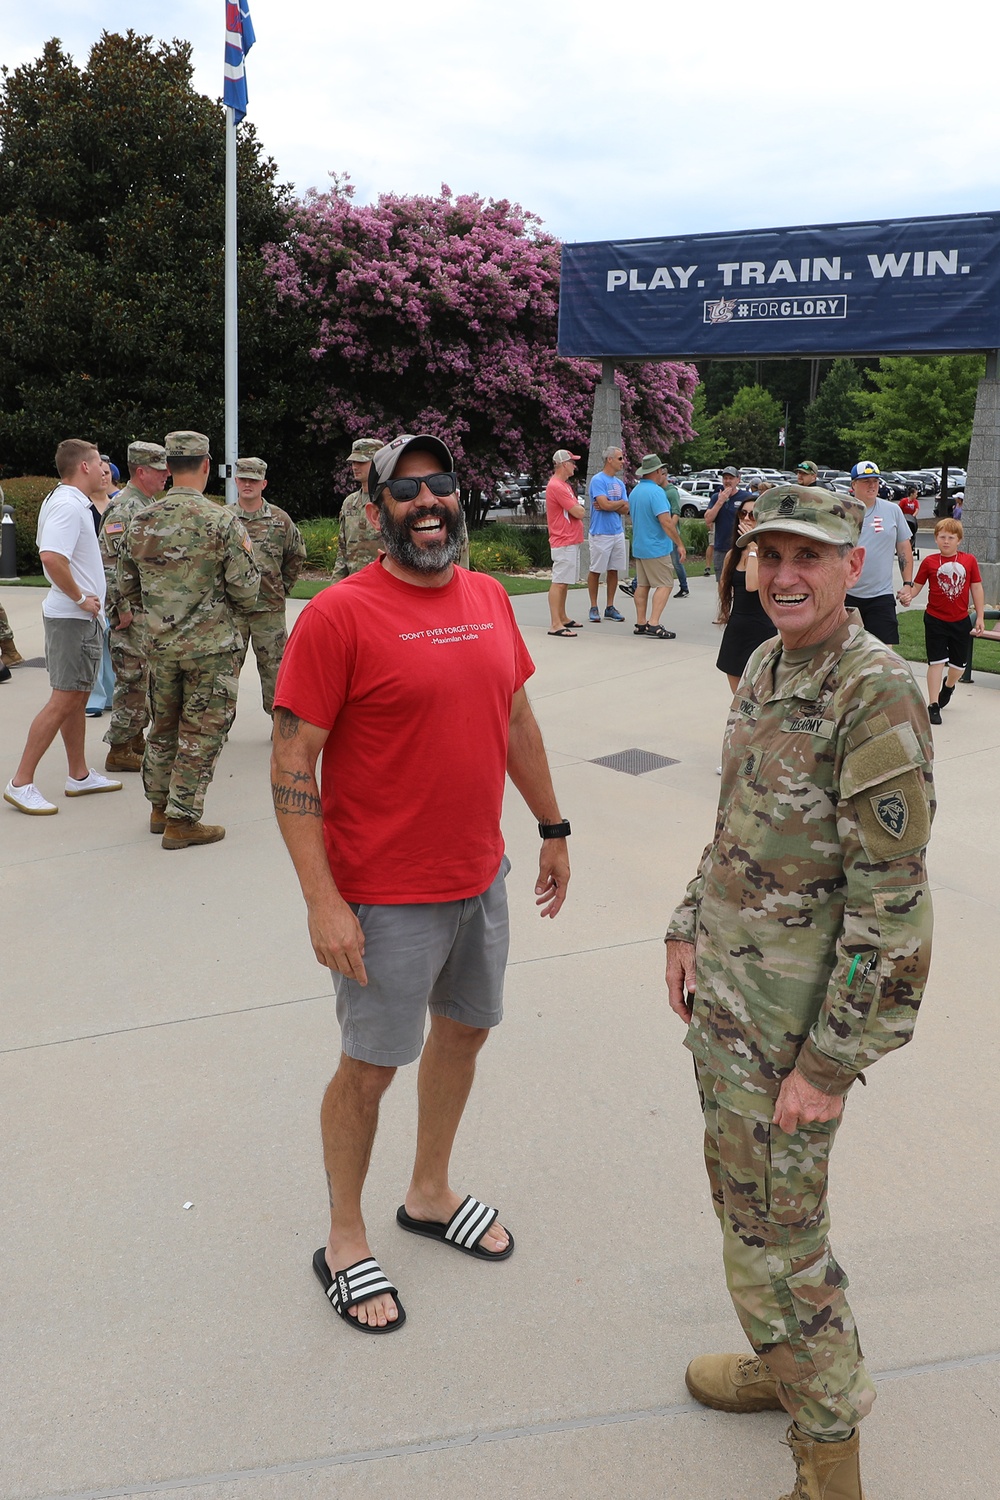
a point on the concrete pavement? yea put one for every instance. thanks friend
(166, 1036)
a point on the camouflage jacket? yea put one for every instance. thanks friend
(184, 565)
(126, 504)
(358, 541)
(279, 551)
(810, 912)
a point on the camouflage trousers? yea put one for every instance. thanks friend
(268, 634)
(769, 1191)
(6, 634)
(130, 707)
(194, 704)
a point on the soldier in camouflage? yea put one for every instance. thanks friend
(9, 654)
(184, 566)
(280, 554)
(147, 470)
(808, 930)
(358, 541)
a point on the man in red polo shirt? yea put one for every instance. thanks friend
(564, 515)
(408, 678)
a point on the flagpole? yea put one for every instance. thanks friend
(232, 328)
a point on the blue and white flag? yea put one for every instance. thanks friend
(239, 40)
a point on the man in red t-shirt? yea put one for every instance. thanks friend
(951, 576)
(564, 515)
(409, 678)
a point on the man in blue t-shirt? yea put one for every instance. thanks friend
(654, 538)
(608, 503)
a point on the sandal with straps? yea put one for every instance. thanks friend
(357, 1283)
(463, 1230)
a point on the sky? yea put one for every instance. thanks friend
(608, 121)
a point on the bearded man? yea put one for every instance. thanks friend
(408, 678)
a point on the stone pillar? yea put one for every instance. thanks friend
(981, 511)
(605, 432)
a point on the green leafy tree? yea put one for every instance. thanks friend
(750, 426)
(834, 409)
(112, 196)
(708, 448)
(919, 412)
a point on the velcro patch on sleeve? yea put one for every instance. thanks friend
(114, 528)
(880, 758)
(893, 817)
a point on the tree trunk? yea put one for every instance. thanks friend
(475, 505)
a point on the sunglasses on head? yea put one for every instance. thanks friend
(409, 489)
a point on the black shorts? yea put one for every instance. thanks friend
(878, 616)
(948, 640)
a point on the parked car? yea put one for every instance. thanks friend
(696, 496)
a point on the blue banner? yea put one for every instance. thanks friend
(901, 286)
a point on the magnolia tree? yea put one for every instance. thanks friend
(439, 315)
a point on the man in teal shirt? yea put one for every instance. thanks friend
(654, 537)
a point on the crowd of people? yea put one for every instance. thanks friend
(797, 957)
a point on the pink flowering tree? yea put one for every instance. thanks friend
(439, 315)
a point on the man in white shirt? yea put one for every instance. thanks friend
(73, 613)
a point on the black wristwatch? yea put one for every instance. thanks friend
(554, 830)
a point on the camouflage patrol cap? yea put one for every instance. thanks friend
(806, 510)
(147, 455)
(251, 468)
(364, 450)
(187, 445)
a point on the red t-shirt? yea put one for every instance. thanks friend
(564, 530)
(415, 686)
(949, 581)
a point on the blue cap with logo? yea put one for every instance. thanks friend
(865, 469)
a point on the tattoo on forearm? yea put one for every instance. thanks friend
(296, 800)
(288, 723)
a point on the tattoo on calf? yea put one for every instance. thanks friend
(294, 800)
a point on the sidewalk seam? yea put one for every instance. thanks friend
(465, 1440)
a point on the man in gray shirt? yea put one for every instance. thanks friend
(885, 536)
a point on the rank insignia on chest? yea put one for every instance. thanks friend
(892, 812)
(751, 762)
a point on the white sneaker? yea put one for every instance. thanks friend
(28, 799)
(92, 782)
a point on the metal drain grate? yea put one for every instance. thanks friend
(634, 762)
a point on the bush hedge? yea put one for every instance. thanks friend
(694, 535)
(320, 536)
(26, 494)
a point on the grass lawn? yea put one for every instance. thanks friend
(985, 654)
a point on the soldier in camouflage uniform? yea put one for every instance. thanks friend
(280, 553)
(808, 927)
(9, 654)
(358, 541)
(147, 469)
(185, 565)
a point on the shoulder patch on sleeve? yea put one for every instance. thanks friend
(877, 724)
(113, 528)
(894, 819)
(879, 758)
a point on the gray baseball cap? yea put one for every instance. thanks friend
(385, 460)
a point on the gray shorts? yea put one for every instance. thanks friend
(72, 653)
(447, 957)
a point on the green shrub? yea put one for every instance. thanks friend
(320, 536)
(489, 556)
(694, 535)
(26, 494)
(533, 541)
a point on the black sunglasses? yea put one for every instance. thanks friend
(409, 489)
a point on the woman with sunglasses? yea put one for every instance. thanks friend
(747, 625)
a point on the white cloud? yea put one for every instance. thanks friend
(638, 119)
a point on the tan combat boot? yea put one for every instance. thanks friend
(123, 758)
(733, 1382)
(9, 654)
(157, 819)
(137, 744)
(180, 833)
(825, 1471)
